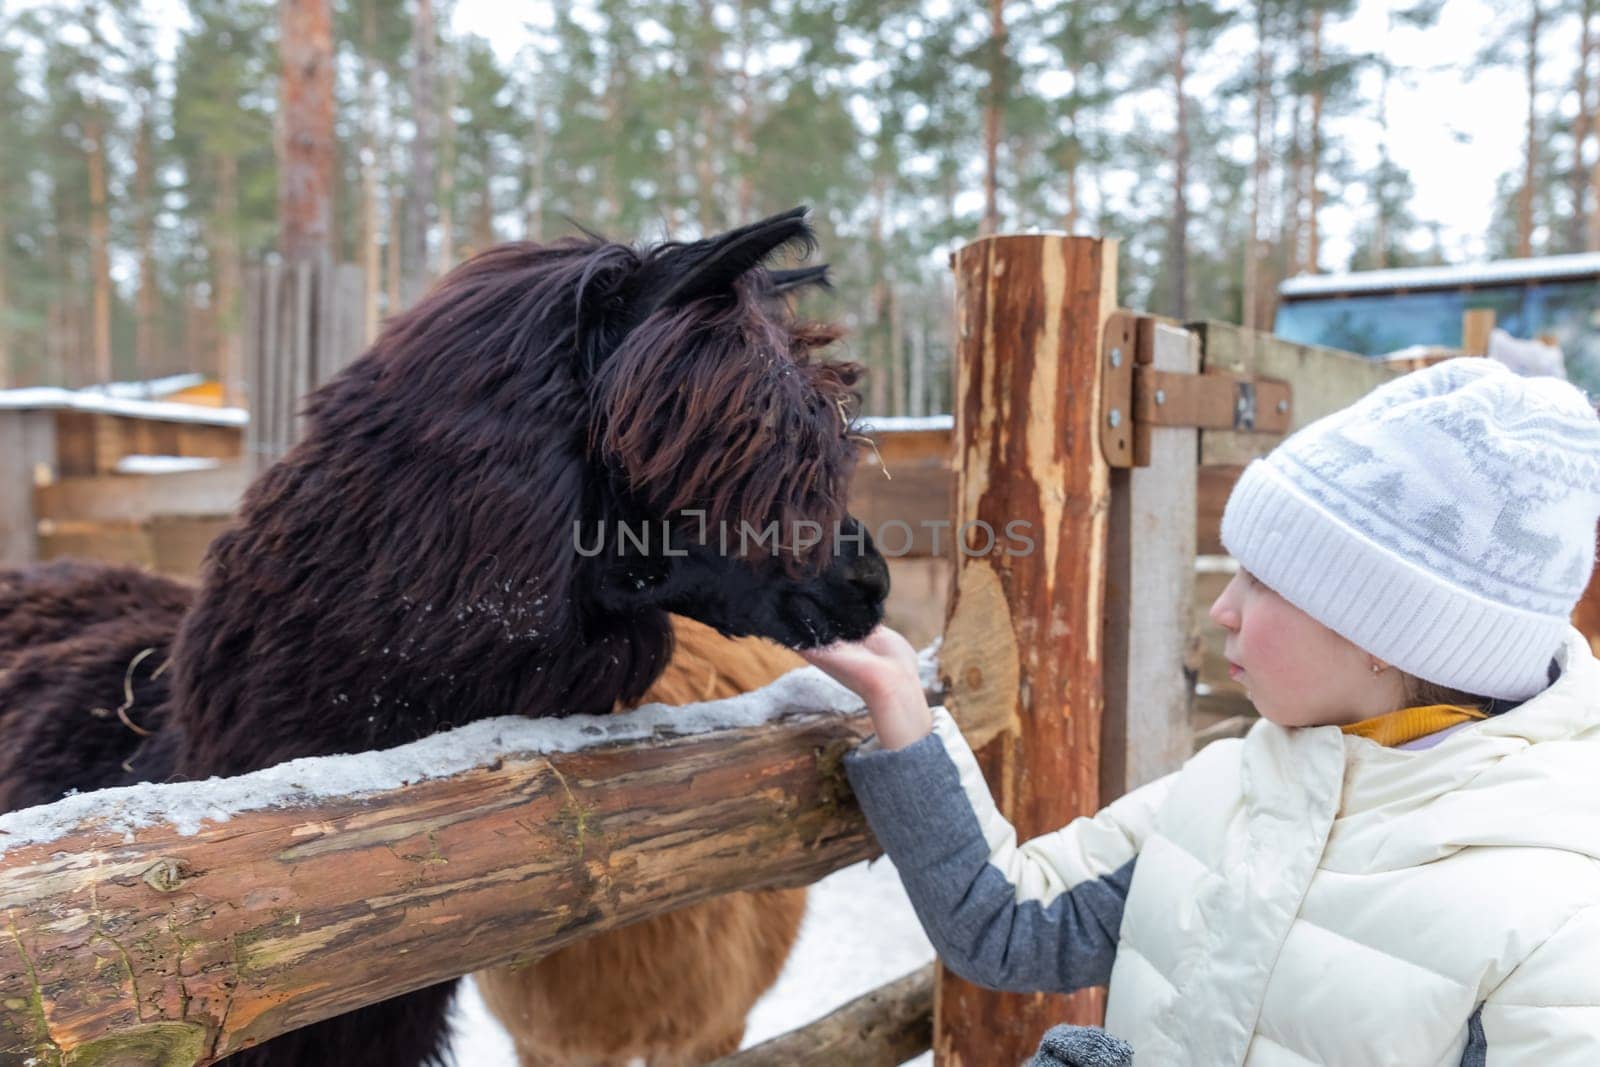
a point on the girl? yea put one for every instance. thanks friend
(1400, 864)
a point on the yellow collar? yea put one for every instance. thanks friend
(1408, 724)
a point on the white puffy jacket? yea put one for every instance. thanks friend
(1296, 897)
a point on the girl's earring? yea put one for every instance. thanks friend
(1376, 668)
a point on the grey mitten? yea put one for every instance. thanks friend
(1081, 1046)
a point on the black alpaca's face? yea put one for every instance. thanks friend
(712, 420)
(742, 590)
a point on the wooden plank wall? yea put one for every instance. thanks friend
(27, 456)
(302, 324)
(162, 522)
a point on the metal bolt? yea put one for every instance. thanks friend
(1116, 357)
(1161, 396)
(1115, 418)
(1283, 405)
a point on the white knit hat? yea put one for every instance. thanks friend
(1444, 523)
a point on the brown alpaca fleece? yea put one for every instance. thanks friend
(673, 990)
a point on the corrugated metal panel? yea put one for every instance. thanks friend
(1505, 272)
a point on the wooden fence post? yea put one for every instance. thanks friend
(1151, 657)
(1023, 640)
(1476, 326)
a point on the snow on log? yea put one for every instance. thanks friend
(178, 923)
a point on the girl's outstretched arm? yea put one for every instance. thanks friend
(1042, 915)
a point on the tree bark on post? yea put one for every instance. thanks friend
(305, 151)
(1022, 644)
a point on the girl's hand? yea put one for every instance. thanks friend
(881, 668)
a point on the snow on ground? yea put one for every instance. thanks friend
(859, 933)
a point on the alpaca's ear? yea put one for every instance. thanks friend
(711, 266)
(787, 281)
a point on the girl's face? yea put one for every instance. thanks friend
(1295, 670)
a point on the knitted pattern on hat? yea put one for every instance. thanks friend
(1445, 522)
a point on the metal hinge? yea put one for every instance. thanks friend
(1136, 396)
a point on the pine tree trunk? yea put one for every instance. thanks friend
(1314, 165)
(705, 163)
(226, 281)
(878, 377)
(1582, 129)
(1525, 200)
(533, 225)
(421, 183)
(1295, 184)
(8, 369)
(1379, 252)
(1592, 242)
(1070, 155)
(147, 301)
(897, 354)
(919, 360)
(395, 217)
(483, 224)
(371, 264)
(99, 243)
(1258, 175)
(992, 119)
(1178, 239)
(306, 163)
(447, 172)
(744, 123)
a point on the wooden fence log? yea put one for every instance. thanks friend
(883, 1028)
(1022, 648)
(120, 941)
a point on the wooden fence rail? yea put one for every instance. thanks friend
(177, 944)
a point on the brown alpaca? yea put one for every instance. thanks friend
(672, 991)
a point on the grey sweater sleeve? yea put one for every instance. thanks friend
(1042, 916)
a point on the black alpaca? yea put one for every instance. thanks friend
(410, 566)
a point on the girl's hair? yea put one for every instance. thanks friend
(1419, 692)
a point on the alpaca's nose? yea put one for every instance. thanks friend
(871, 574)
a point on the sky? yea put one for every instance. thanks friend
(1454, 128)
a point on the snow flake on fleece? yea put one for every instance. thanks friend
(187, 805)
